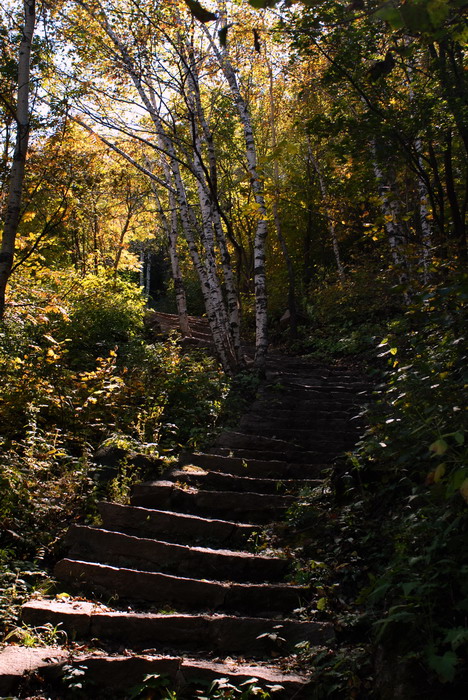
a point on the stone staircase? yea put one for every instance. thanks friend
(173, 583)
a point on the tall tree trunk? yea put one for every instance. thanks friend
(423, 192)
(207, 194)
(392, 218)
(15, 192)
(261, 318)
(424, 221)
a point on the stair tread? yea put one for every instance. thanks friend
(191, 593)
(111, 547)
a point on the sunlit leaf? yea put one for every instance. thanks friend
(439, 447)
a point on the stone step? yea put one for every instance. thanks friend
(180, 527)
(16, 663)
(219, 634)
(328, 387)
(343, 394)
(234, 440)
(118, 674)
(299, 419)
(315, 407)
(311, 438)
(237, 506)
(185, 594)
(255, 468)
(219, 481)
(116, 548)
(294, 455)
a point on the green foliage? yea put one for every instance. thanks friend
(78, 372)
(418, 426)
(345, 318)
(105, 311)
(157, 686)
(385, 547)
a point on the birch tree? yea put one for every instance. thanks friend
(17, 170)
(261, 319)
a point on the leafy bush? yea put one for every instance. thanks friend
(385, 544)
(78, 371)
(346, 315)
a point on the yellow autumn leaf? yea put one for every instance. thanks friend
(464, 490)
(439, 472)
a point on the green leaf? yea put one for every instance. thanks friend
(390, 14)
(439, 472)
(459, 437)
(321, 604)
(456, 637)
(444, 665)
(438, 11)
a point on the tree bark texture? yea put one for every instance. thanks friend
(16, 180)
(261, 318)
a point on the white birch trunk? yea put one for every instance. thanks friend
(426, 228)
(392, 215)
(211, 221)
(148, 273)
(142, 268)
(209, 284)
(15, 192)
(261, 343)
(390, 210)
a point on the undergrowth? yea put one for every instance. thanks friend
(79, 372)
(384, 543)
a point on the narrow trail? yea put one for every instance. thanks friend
(191, 599)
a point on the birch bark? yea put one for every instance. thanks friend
(392, 216)
(15, 192)
(261, 342)
(207, 192)
(210, 285)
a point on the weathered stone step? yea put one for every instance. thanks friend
(312, 407)
(219, 481)
(250, 441)
(310, 438)
(114, 676)
(179, 527)
(223, 634)
(298, 418)
(328, 386)
(119, 549)
(253, 467)
(183, 593)
(314, 392)
(119, 673)
(293, 455)
(247, 507)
